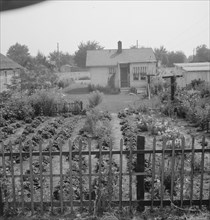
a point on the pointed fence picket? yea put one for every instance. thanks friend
(136, 173)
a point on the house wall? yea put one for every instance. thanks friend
(5, 78)
(76, 76)
(99, 75)
(142, 70)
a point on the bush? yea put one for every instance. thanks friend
(158, 85)
(17, 107)
(133, 90)
(63, 83)
(44, 101)
(95, 99)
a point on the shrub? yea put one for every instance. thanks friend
(63, 83)
(95, 99)
(17, 107)
(157, 85)
(44, 101)
(133, 90)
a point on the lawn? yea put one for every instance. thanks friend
(111, 103)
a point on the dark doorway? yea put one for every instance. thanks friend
(124, 76)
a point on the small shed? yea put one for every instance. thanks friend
(192, 71)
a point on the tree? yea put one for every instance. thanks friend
(60, 58)
(202, 54)
(176, 57)
(20, 54)
(81, 53)
(161, 55)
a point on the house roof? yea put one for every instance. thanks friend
(194, 67)
(8, 64)
(112, 57)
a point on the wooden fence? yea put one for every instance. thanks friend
(74, 107)
(136, 173)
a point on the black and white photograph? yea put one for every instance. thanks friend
(104, 110)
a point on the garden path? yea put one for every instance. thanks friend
(117, 136)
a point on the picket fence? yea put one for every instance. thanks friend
(137, 174)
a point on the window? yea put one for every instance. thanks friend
(135, 76)
(112, 70)
(143, 76)
(136, 73)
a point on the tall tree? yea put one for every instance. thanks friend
(60, 58)
(20, 54)
(81, 53)
(176, 57)
(161, 55)
(202, 54)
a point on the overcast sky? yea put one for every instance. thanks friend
(178, 25)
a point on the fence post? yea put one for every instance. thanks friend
(81, 106)
(140, 168)
(1, 204)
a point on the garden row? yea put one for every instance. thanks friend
(54, 133)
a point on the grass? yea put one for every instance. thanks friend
(111, 103)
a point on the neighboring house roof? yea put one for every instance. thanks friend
(194, 67)
(8, 64)
(112, 57)
(168, 72)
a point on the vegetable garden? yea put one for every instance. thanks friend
(40, 165)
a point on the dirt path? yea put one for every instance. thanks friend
(117, 136)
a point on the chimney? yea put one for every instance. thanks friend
(119, 50)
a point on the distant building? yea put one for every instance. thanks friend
(192, 71)
(127, 67)
(8, 69)
(73, 73)
(65, 68)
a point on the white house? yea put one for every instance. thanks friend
(126, 67)
(191, 71)
(8, 69)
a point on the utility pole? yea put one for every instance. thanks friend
(137, 44)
